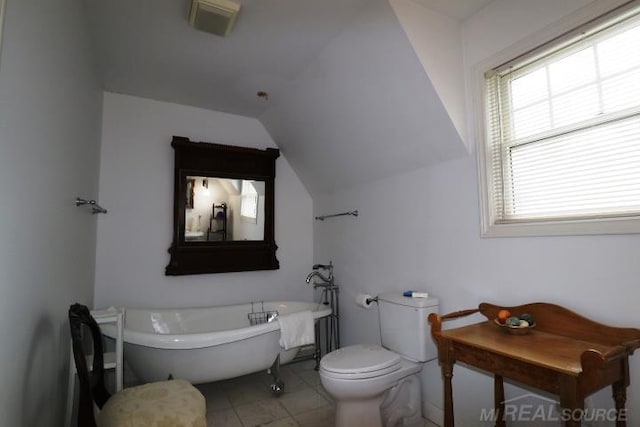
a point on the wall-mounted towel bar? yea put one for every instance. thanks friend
(95, 207)
(323, 217)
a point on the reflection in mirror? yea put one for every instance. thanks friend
(222, 209)
(190, 191)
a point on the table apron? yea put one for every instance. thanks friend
(534, 375)
(526, 373)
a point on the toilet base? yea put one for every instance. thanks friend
(359, 413)
(392, 399)
(402, 405)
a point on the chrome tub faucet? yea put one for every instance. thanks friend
(327, 280)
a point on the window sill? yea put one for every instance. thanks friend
(625, 225)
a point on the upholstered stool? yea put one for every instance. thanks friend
(173, 403)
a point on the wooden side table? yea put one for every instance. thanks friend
(565, 354)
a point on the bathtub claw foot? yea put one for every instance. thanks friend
(277, 388)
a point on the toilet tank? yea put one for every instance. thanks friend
(404, 327)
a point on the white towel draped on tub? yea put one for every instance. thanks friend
(296, 329)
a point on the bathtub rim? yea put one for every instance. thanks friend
(185, 341)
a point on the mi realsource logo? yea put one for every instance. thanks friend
(547, 410)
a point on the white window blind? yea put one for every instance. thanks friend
(564, 128)
(249, 201)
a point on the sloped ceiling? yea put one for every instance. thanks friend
(349, 101)
(147, 48)
(364, 109)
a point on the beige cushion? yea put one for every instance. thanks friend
(174, 403)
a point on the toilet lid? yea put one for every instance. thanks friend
(360, 361)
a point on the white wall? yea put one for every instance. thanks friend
(49, 145)
(421, 230)
(437, 41)
(136, 185)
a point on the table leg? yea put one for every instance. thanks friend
(447, 373)
(571, 405)
(498, 391)
(620, 398)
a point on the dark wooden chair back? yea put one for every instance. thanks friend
(92, 387)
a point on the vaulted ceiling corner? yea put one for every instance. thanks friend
(364, 109)
(436, 40)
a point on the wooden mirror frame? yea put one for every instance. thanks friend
(221, 161)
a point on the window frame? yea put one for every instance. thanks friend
(556, 34)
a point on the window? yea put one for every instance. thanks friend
(249, 202)
(562, 149)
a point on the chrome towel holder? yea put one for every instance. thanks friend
(95, 207)
(323, 217)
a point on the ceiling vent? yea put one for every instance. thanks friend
(213, 16)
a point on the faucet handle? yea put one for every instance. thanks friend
(324, 266)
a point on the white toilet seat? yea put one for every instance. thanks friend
(361, 375)
(359, 362)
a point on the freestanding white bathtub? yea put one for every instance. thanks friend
(205, 344)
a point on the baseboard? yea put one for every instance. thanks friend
(432, 413)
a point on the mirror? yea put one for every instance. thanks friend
(223, 208)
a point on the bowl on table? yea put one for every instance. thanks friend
(515, 330)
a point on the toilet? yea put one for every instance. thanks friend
(380, 385)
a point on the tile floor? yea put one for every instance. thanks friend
(247, 401)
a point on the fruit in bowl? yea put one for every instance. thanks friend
(503, 315)
(513, 321)
(517, 325)
(527, 317)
